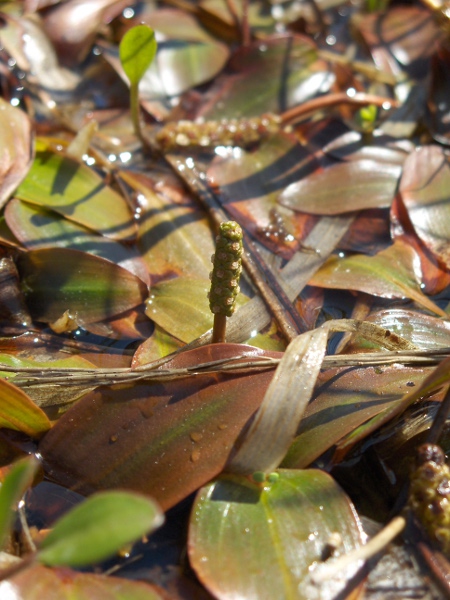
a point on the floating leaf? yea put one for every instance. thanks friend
(18, 411)
(165, 439)
(36, 227)
(268, 77)
(15, 150)
(182, 296)
(173, 238)
(88, 286)
(344, 187)
(137, 51)
(97, 528)
(263, 541)
(345, 399)
(12, 488)
(64, 584)
(159, 344)
(249, 183)
(75, 191)
(389, 274)
(424, 189)
(407, 34)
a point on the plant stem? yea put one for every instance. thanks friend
(219, 328)
(135, 110)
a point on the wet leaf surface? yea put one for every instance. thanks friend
(112, 239)
(65, 584)
(263, 541)
(390, 274)
(424, 190)
(344, 187)
(15, 152)
(88, 286)
(164, 439)
(18, 411)
(75, 191)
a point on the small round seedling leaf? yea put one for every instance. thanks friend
(98, 528)
(137, 51)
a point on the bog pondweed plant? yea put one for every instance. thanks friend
(227, 268)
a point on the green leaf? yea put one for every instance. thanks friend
(262, 541)
(99, 527)
(91, 287)
(18, 411)
(181, 296)
(389, 274)
(346, 399)
(137, 51)
(12, 489)
(75, 191)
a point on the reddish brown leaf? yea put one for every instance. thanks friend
(163, 439)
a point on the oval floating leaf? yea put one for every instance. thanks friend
(18, 411)
(58, 280)
(262, 541)
(16, 152)
(137, 51)
(165, 439)
(65, 584)
(37, 227)
(99, 527)
(345, 399)
(424, 188)
(344, 187)
(181, 296)
(389, 274)
(74, 190)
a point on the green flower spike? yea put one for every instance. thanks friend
(225, 276)
(429, 494)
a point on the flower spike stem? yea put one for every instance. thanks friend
(225, 276)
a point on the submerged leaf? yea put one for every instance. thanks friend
(88, 286)
(344, 400)
(262, 541)
(36, 227)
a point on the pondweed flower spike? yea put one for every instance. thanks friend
(429, 494)
(225, 276)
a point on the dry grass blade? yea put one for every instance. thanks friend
(287, 396)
